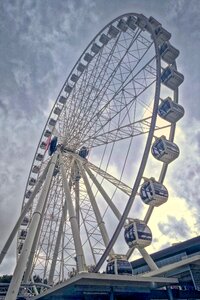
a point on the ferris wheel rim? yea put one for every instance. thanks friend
(156, 100)
(64, 84)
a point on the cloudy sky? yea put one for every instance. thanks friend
(40, 42)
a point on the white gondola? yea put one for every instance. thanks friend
(32, 181)
(171, 78)
(52, 122)
(47, 133)
(113, 31)
(43, 145)
(104, 39)
(83, 152)
(119, 266)
(164, 150)
(56, 170)
(74, 78)
(39, 157)
(23, 234)
(142, 22)
(153, 192)
(137, 233)
(25, 221)
(154, 23)
(168, 53)
(28, 194)
(19, 248)
(131, 22)
(57, 110)
(35, 169)
(122, 25)
(162, 35)
(81, 67)
(95, 48)
(170, 111)
(68, 90)
(88, 57)
(62, 99)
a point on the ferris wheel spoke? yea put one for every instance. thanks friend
(103, 193)
(114, 108)
(100, 82)
(121, 133)
(94, 125)
(116, 182)
(110, 80)
(95, 78)
(95, 207)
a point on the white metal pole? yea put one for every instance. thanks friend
(57, 245)
(81, 266)
(148, 259)
(103, 193)
(32, 252)
(23, 213)
(37, 215)
(99, 219)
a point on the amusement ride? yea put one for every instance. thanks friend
(99, 167)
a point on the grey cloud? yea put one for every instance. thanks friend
(175, 228)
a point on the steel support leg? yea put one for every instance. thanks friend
(73, 220)
(37, 215)
(23, 213)
(57, 245)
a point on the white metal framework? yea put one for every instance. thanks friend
(76, 205)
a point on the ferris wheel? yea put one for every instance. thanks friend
(99, 167)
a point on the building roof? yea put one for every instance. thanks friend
(189, 247)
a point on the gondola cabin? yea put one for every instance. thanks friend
(168, 53)
(171, 78)
(104, 39)
(28, 194)
(47, 133)
(43, 145)
(35, 169)
(52, 122)
(153, 192)
(137, 233)
(56, 170)
(32, 181)
(170, 111)
(162, 35)
(131, 22)
(68, 90)
(165, 150)
(25, 221)
(57, 110)
(19, 248)
(119, 266)
(83, 152)
(23, 234)
(39, 157)
(53, 145)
